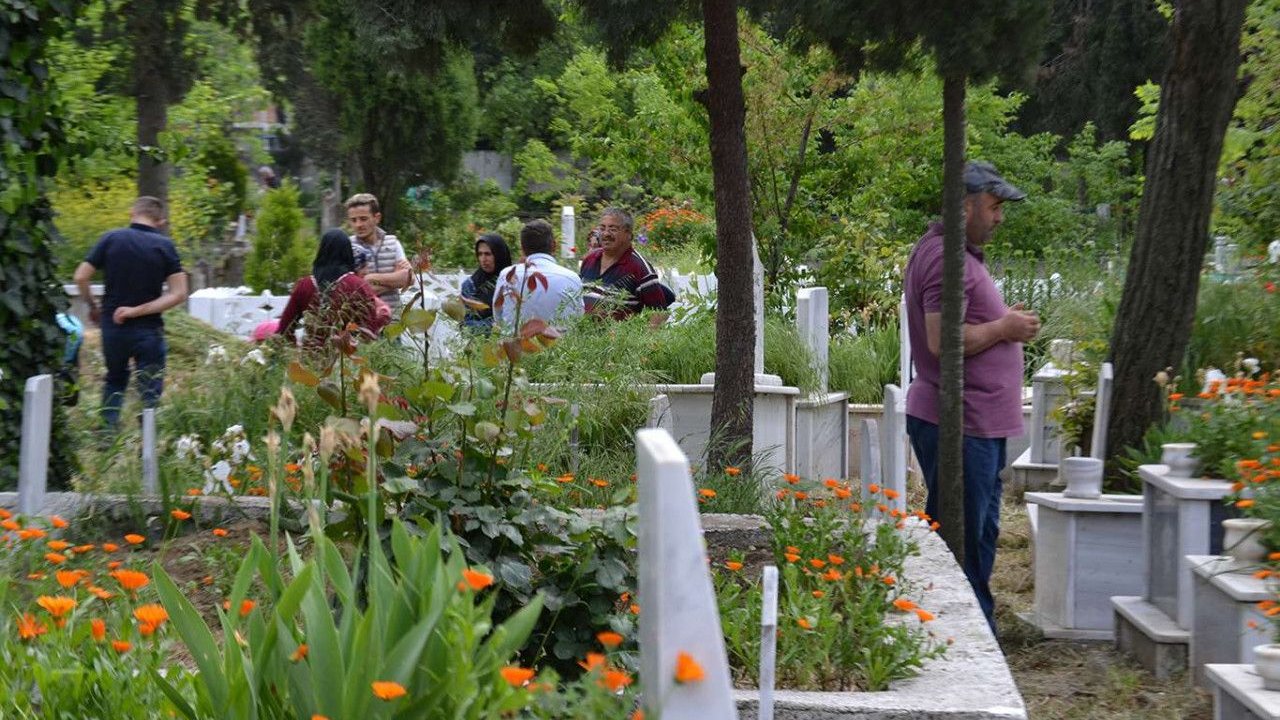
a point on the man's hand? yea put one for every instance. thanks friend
(121, 314)
(1020, 325)
(95, 312)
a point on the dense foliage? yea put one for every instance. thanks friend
(281, 252)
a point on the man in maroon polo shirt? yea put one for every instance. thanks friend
(993, 337)
(616, 280)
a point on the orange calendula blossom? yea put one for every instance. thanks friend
(57, 522)
(687, 669)
(300, 653)
(804, 623)
(614, 680)
(153, 615)
(733, 565)
(220, 532)
(476, 580)
(609, 638)
(924, 615)
(131, 579)
(69, 578)
(791, 557)
(58, 545)
(134, 539)
(904, 604)
(29, 628)
(1245, 503)
(387, 690)
(733, 471)
(593, 661)
(57, 605)
(179, 514)
(516, 676)
(707, 492)
(121, 646)
(110, 547)
(55, 558)
(100, 593)
(98, 629)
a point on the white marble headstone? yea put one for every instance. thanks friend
(869, 453)
(150, 471)
(33, 458)
(1102, 411)
(893, 450)
(678, 611)
(568, 231)
(905, 373)
(812, 323)
(757, 296)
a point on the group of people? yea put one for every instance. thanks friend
(613, 280)
(358, 278)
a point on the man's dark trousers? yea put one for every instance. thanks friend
(145, 345)
(983, 460)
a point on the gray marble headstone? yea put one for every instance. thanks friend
(757, 296)
(1102, 411)
(869, 453)
(33, 458)
(905, 368)
(893, 451)
(812, 323)
(568, 231)
(150, 471)
(678, 611)
(768, 641)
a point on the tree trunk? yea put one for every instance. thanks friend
(731, 406)
(951, 359)
(153, 117)
(1157, 309)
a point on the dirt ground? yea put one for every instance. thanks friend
(1063, 680)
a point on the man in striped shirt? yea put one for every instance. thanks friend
(388, 271)
(619, 282)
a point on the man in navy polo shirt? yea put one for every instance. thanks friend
(137, 262)
(617, 280)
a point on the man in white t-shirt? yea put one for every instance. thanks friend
(558, 302)
(388, 271)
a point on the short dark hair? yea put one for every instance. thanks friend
(536, 237)
(148, 206)
(623, 216)
(363, 199)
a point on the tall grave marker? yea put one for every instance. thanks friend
(678, 611)
(33, 458)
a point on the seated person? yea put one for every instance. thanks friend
(616, 277)
(332, 295)
(557, 302)
(493, 256)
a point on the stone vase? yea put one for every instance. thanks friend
(1181, 459)
(1242, 540)
(1266, 660)
(1083, 476)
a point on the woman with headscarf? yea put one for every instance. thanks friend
(493, 256)
(333, 295)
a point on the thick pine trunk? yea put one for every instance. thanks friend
(153, 117)
(1157, 309)
(951, 411)
(731, 406)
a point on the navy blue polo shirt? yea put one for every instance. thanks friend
(135, 261)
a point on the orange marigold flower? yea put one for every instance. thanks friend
(593, 661)
(791, 557)
(114, 564)
(1246, 503)
(153, 615)
(843, 493)
(804, 623)
(58, 545)
(609, 639)
(904, 604)
(387, 690)
(1259, 435)
(801, 495)
(835, 559)
(1175, 396)
(782, 494)
(873, 488)
(791, 478)
(134, 539)
(98, 629)
(707, 492)
(131, 579)
(57, 522)
(55, 558)
(882, 507)
(300, 653)
(819, 594)
(599, 483)
(817, 563)
(477, 580)
(516, 676)
(5, 514)
(179, 514)
(891, 493)
(924, 615)
(832, 575)
(29, 628)
(121, 646)
(36, 576)
(110, 547)
(934, 526)
(57, 605)
(687, 669)
(733, 565)
(318, 716)
(614, 680)
(31, 533)
(220, 532)
(100, 593)
(888, 580)
(732, 471)
(637, 715)
(194, 492)
(82, 549)
(246, 607)
(565, 478)
(1262, 574)
(1273, 556)
(68, 578)
(635, 609)
(8, 524)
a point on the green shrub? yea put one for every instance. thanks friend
(280, 254)
(862, 365)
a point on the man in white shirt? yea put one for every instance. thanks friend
(558, 301)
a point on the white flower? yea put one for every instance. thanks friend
(217, 353)
(218, 476)
(1251, 365)
(188, 446)
(240, 451)
(255, 355)
(1211, 376)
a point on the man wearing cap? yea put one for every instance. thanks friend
(993, 337)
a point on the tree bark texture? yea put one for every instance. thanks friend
(732, 402)
(157, 66)
(153, 117)
(951, 486)
(1157, 309)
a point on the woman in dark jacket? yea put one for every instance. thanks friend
(493, 256)
(332, 295)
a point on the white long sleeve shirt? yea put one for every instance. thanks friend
(558, 304)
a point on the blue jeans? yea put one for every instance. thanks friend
(983, 460)
(146, 347)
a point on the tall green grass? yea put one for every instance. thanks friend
(862, 365)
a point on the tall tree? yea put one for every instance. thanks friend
(34, 146)
(1157, 307)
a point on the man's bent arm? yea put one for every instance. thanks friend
(976, 337)
(174, 295)
(400, 278)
